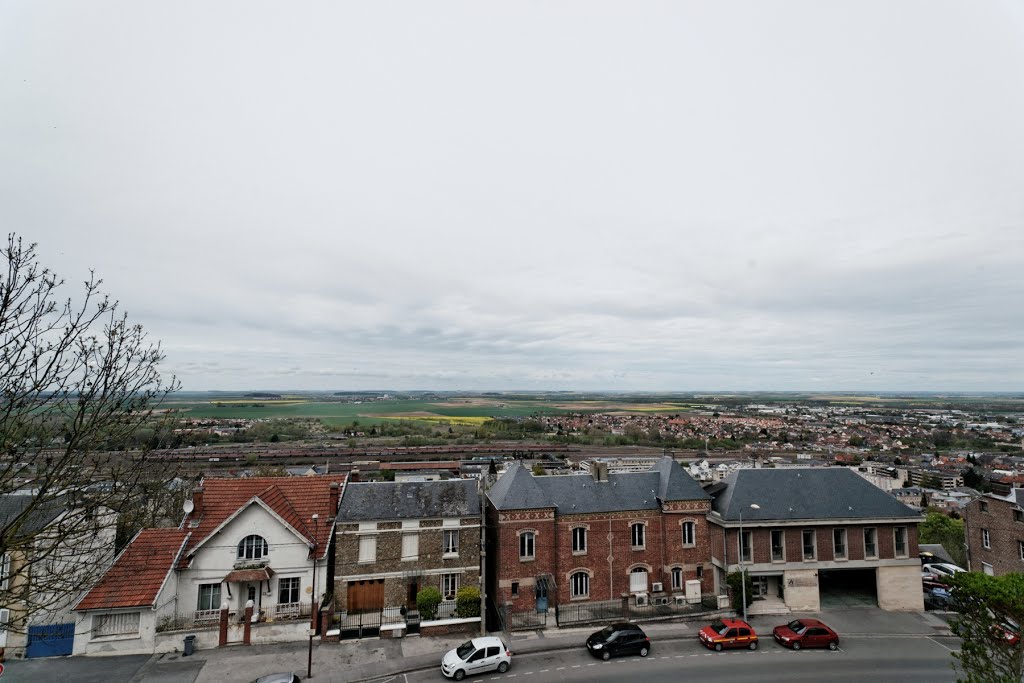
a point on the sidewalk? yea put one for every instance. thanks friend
(372, 659)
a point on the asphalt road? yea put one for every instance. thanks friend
(859, 660)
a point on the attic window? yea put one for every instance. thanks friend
(252, 548)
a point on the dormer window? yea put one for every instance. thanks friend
(252, 548)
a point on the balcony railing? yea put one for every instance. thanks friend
(209, 618)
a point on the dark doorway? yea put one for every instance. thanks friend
(410, 600)
(844, 588)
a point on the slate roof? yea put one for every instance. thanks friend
(517, 489)
(139, 571)
(294, 499)
(806, 493)
(409, 500)
(14, 504)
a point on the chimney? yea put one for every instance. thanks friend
(599, 470)
(354, 474)
(334, 499)
(197, 503)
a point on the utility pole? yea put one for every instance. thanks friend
(483, 572)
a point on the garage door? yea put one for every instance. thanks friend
(839, 588)
(50, 640)
(365, 595)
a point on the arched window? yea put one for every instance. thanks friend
(527, 545)
(638, 535)
(677, 578)
(579, 585)
(252, 548)
(689, 533)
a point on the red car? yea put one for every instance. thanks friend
(801, 633)
(723, 633)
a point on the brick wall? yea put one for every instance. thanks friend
(1004, 532)
(608, 535)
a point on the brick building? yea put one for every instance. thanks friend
(994, 530)
(592, 537)
(815, 535)
(394, 539)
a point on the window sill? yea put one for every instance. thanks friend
(577, 553)
(579, 598)
(450, 556)
(639, 547)
(689, 545)
(527, 559)
(116, 637)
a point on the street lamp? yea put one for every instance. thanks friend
(316, 612)
(743, 570)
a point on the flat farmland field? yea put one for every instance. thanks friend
(336, 413)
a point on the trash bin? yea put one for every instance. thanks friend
(190, 645)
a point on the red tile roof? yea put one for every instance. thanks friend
(293, 499)
(138, 573)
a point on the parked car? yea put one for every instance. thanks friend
(941, 569)
(801, 633)
(723, 633)
(619, 639)
(930, 579)
(476, 656)
(938, 597)
(286, 677)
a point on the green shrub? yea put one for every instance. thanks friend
(427, 601)
(734, 581)
(467, 602)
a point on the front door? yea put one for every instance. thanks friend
(760, 586)
(410, 600)
(542, 597)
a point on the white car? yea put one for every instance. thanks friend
(941, 569)
(476, 656)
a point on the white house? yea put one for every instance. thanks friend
(264, 539)
(53, 549)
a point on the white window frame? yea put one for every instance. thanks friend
(450, 543)
(897, 541)
(689, 534)
(1020, 549)
(367, 549)
(449, 586)
(527, 545)
(579, 584)
(638, 532)
(870, 534)
(677, 578)
(211, 589)
(253, 547)
(5, 572)
(294, 586)
(840, 548)
(5, 617)
(410, 547)
(579, 540)
(986, 539)
(781, 546)
(116, 624)
(814, 545)
(749, 555)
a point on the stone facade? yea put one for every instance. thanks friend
(426, 568)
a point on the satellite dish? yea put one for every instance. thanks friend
(188, 506)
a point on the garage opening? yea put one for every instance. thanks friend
(839, 588)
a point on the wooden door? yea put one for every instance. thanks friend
(365, 595)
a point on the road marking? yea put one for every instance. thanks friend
(559, 668)
(576, 666)
(940, 644)
(544, 671)
(592, 664)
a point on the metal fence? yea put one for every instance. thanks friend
(210, 618)
(656, 608)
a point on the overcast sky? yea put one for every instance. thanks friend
(533, 195)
